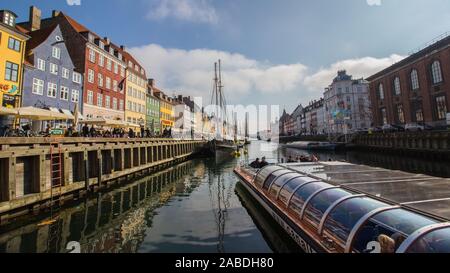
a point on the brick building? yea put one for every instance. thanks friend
(97, 59)
(414, 90)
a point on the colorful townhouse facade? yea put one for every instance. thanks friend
(12, 54)
(166, 108)
(153, 121)
(136, 91)
(50, 80)
(98, 60)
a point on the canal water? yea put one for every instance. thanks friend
(194, 207)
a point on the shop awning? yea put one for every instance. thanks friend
(105, 122)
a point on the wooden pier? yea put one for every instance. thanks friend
(27, 176)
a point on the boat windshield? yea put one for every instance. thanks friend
(264, 173)
(320, 203)
(303, 193)
(437, 241)
(385, 232)
(344, 217)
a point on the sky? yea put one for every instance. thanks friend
(282, 52)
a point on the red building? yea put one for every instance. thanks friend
(414, 90)
(99, 61)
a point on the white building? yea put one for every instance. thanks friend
(184, 121)
(347, 106)
(314, 118)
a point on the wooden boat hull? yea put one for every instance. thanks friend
(306, 243)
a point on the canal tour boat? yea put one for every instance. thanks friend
(337, 207)
(312, 146)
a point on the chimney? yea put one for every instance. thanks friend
(122, 47)
(35, 18)
(55, 13)
(151, 82)
(107, 40)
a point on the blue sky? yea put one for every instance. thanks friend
(274, 52)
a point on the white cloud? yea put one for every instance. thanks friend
(373, 2)
(190, 72)
(200, 11)
(358, 68)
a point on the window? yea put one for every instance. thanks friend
(64, 93)
(92, 56)
(56, 52)
(400, 114)
(441, 107)
(397, 88)
(38, 87)
(114, 104)
(115, 85)
(75, 95)
(8, 19)
(90, 97)
(91, 76)
(65, 73)
(101, 60)
(76, 77)
(52, 88)
(53, 68)
(414, 80)
(381, 91)
(384, 116)
(107, 101)
(128, 105)
(11, 72)
(121, 105)
(108, 64)
(108, 83)
(122, 72)
(100, 80)
(116, 68)
(419, 115)
(41, 64)
(436, 72)
(14, 44)
(99, 100)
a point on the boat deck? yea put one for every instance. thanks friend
(430, 195)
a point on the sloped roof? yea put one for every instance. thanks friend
(128, 57)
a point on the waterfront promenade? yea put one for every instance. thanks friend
(37, 172)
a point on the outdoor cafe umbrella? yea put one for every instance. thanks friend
(34, 113)
(4, 111)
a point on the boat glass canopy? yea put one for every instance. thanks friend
(343, 218)
(320, 203)
(280, 181)
(389, 229)
(269, 180)
(291, 186)
(437, 241)
(303, 193)
(265, 172)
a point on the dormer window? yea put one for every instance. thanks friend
(9, 18)
(101, 45)
(111, 51)
(91, 37)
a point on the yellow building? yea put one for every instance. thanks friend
(136, 91)
(12, 51)
(166, 109)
